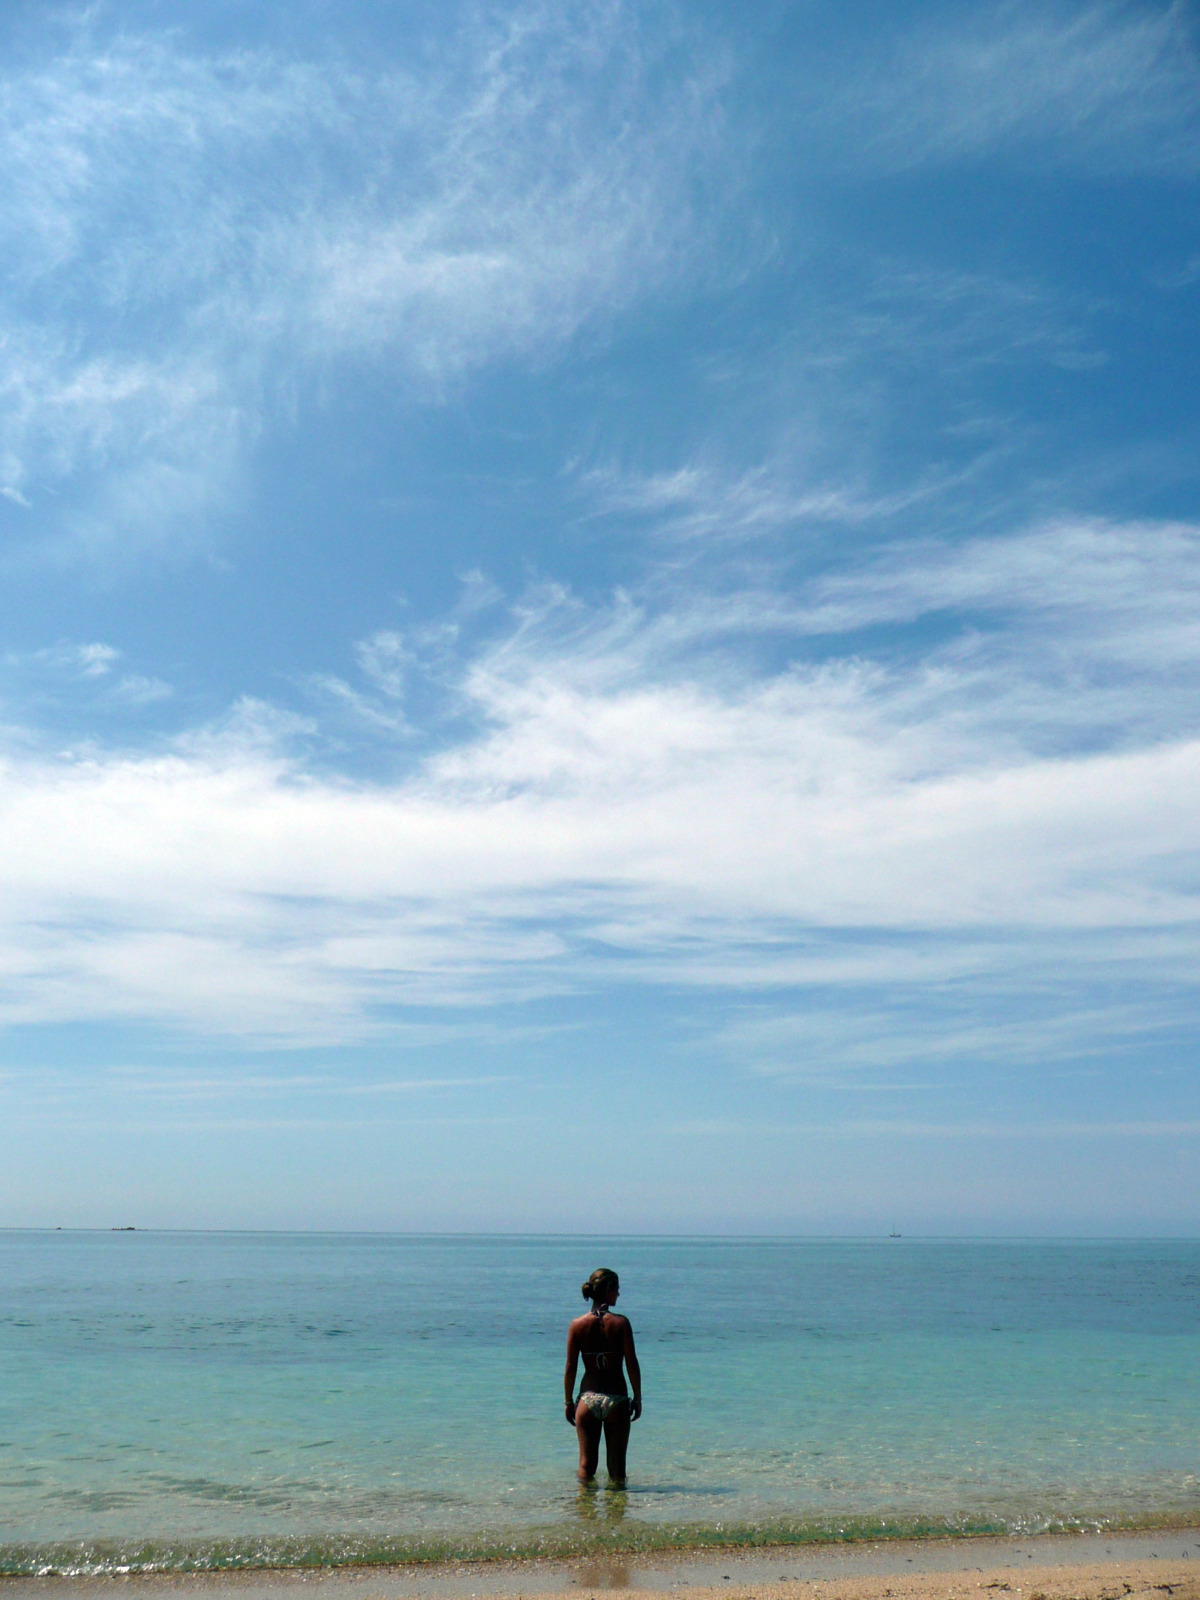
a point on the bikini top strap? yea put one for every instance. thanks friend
(600, 1310)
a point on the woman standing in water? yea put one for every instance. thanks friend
(604, 1340)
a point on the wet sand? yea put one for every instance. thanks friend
(1162, 1565)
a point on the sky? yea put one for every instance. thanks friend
(601, 615)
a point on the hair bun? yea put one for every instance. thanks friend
(600, 1285)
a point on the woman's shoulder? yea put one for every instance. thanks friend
(589, 1318)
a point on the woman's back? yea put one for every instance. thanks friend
(599, 1336)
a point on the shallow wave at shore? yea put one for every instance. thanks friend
(103, 1557)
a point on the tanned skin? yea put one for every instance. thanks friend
(588, 1337)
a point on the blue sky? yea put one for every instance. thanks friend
(601, 616)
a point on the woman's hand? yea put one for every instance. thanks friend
(635, 1409)
(570, 1409)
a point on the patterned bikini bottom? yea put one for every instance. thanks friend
(603, 1405)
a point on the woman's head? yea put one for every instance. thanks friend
(602, 1287)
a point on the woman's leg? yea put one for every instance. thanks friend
(616, 1442)
(587, 1429)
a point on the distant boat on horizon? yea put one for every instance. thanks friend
(895, 1235)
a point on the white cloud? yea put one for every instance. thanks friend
(992, 1004)
(136, 690)
(194, 243)
(881, 358)
(66, 1090)
(189, 240)
(74, 681)
(702, 504)
(1178, 277)
(896, 1129)
(1102, 86)
(65, 660)
(385, 659)
(1092, 611)
(635, 806)
(96, 660)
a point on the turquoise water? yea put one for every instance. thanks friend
(176, 1399)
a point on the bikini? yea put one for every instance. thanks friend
(601, 1405)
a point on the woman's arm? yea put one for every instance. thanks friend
(635, 1374)
(569, 1374)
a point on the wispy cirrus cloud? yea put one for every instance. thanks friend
(887, 418)
(191, 238)
(993, 1006)
(73, 675)
(1102, 87)
(196, 240)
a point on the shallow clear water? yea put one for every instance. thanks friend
(177, 1398)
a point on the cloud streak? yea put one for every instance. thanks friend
(191, 239)
(631, 807)
(1101, 87)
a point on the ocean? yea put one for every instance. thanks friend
(184, 1400)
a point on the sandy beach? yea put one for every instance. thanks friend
(1158, 1565)
(1109, 1580)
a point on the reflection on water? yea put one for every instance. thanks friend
(593, 1504)
(605, 1575)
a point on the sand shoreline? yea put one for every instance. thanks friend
(1162, 1564)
